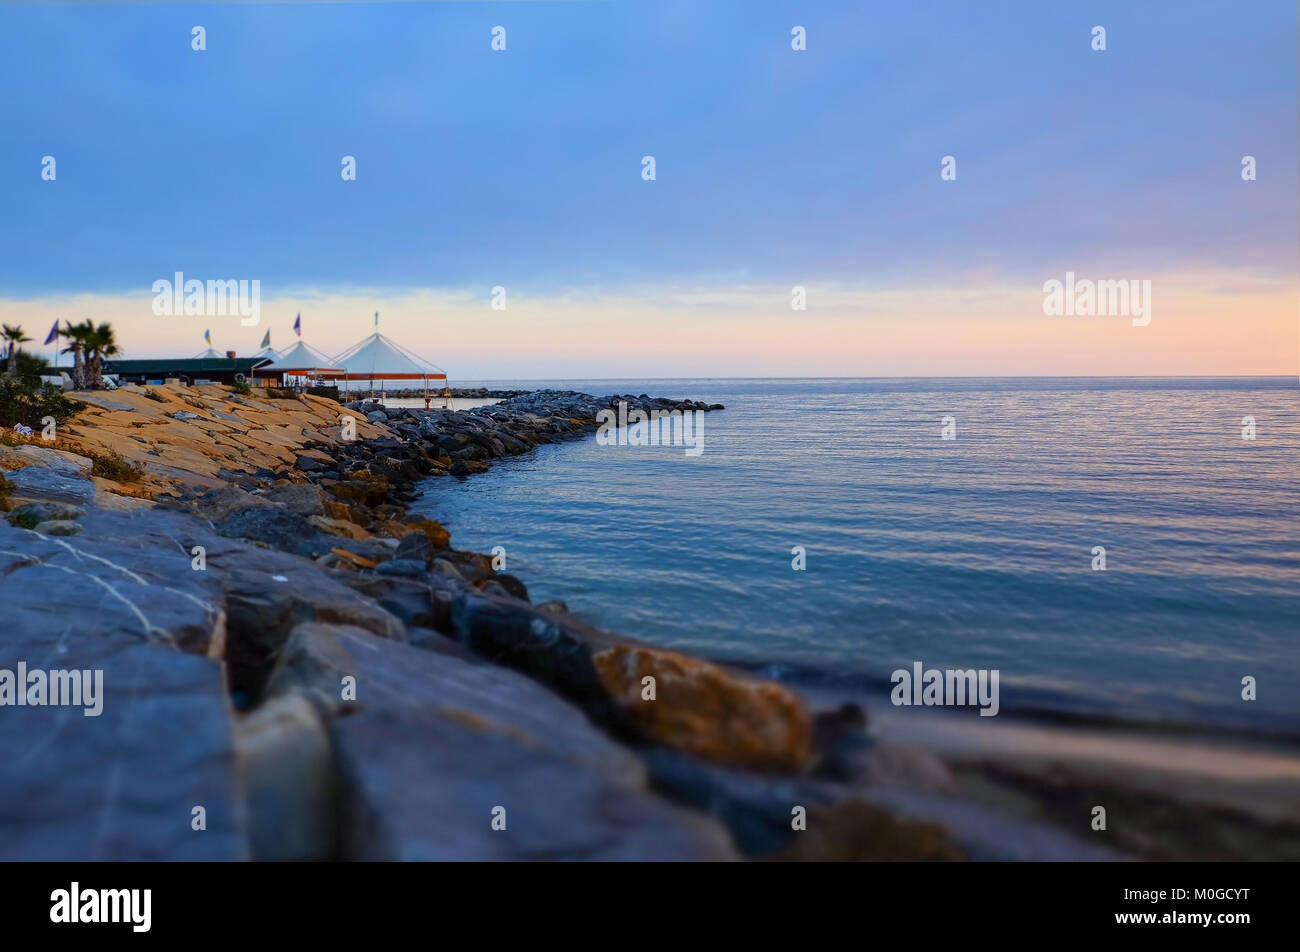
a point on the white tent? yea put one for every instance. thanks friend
(270, 353)
(209, 354)
(301, 361)
(378, 358)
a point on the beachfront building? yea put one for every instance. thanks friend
(376, 364)
(217, 368)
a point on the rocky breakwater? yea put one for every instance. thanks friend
(466, 442)
(293, 667)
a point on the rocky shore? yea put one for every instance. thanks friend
(321, 675)
(287, 649)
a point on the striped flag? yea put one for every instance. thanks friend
(207, 337)
(266, 341)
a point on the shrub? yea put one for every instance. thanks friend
(25, 398)
(241, 387)
(25, 520)
(115, 467)
(331, 393)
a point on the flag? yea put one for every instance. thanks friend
(53, 334)
(207, 337)
(297, 325)
(376, 320)
(266, 341)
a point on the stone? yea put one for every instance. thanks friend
(302, 498)
(40, 484)
(61, 461)
(277, 527)
(435, 531)
(59, 527)
(409, 568)
(434, 742)
(121, 786)
(415, 547)
(511, 585)
(219, 504)
(262, 611)
(701, 708)
(44, 512)
(126, 574)
(286, 770)
(707, 711)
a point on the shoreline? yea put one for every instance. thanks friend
(736, 748)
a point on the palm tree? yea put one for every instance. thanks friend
(13, 336)
(100, 344)
(77, 336)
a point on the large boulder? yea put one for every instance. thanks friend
(434, 745)
(121, 599)
(127, 573)
(697, 707)
(278, 527)
(42, 484)
(124, 785)
(286, 770)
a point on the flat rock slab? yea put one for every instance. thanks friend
(122, 599)
(70, 464)
(40, 484)
(436, 740)
(124, 574)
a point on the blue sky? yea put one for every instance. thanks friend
(522, 168)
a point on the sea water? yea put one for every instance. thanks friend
(975, 551)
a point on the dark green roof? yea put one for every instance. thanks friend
(189, 367)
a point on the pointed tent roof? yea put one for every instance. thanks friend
(302, 358)
(269, 353)
(208, 354)
(380, 358)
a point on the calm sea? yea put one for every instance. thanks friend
(972, 552)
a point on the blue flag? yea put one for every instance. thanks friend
(297, 325)
(54, 334)
(207, 337)
(266, 341)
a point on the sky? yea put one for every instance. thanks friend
(774, 168)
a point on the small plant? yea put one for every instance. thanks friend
(26, 399)
(241, 387)
(24, 520)
(155, 395)
(281, 393)
(115, 467)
